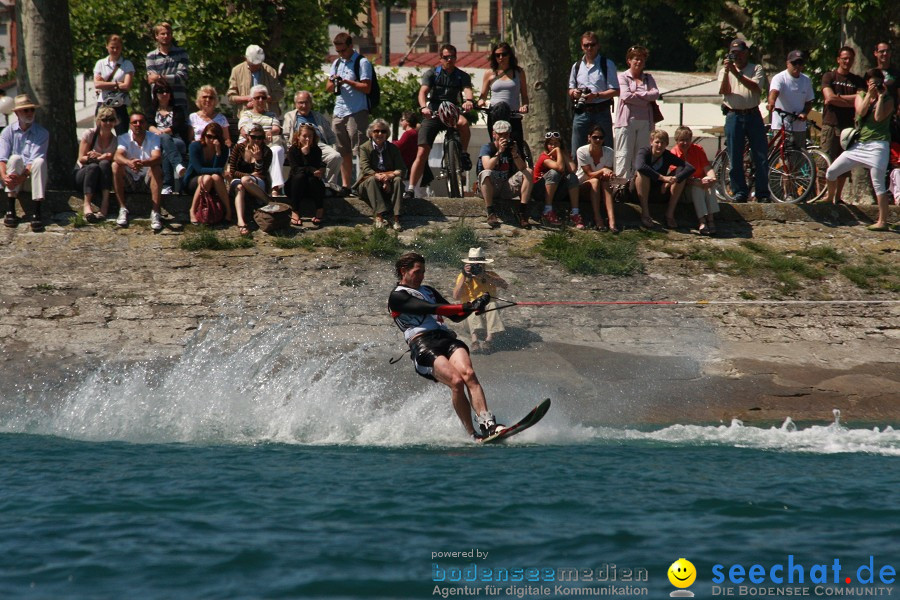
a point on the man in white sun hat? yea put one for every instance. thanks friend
(471, 283)
(254, 71)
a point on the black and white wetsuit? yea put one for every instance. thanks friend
(419, 313)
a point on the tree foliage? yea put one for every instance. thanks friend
(214, 32)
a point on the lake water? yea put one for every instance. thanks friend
(259, 467)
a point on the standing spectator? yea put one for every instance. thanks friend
(253, 71)
(305, 115)
(351, 107)
(444, 83)
(504, 174)
(258, 113)
(249, 165)
(381, 171)
(305, 179)
(472, 283)
(506, 85)
(93, 171)
(23, 160)
(839, 88)
(593, 83)
(206, 169)
(741, 84)
(208, 112)
(113, 77)
(137, 168)
(874, 108)
(174, 134)
(634, 117)
(700, 185)
(554, 167)
(883, 63)
(654, 181)
(169, 63)
(595, 172)
(792, 91)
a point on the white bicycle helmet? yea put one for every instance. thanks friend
(448, 113)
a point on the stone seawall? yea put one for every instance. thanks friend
(74, 299)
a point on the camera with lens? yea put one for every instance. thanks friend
(731, 56)
(879, 85)
(582, 101)
(337, 80)
(472, 270)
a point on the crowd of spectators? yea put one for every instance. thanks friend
(172, 150)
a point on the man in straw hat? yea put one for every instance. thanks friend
(419, 311)
(471, 283)
(23, 153)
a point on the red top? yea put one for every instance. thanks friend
(696, 157)
(408, 145)
(539, 168)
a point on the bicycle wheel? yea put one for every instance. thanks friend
(822, 162)
(722, 169)
(452, 158)
(791, 178)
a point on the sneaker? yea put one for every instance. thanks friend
(397, 226)
(577, 221)
(11, 220)
(167, 190)
(550, 218)
(466, 161)
(488, 425)
(380, 223)
(409, 195)
(155, 221)
(179, 171)
(37, 224)
(122, 221)
(493, 220)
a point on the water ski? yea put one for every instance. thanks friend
(530, 419)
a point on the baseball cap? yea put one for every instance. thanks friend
(738, 44)
(795, 55)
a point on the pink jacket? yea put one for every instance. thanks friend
(635, 97)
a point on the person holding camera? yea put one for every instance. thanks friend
(874, 108)
(593, 83)
(471, 283)
(741, 85)
(418, 311)
(504, 174)
(351, 105)
(113, 77)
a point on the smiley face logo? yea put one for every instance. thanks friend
(682, 573)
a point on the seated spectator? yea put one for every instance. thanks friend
(634, 116)
(137, 168)
(504, 174)
(699, 187)
(249, 165)
(113, 77)
(207, 160)
(304, 113)
(472, 283)
(258, 113)
(381, 171)
(93, 171)
(555, 166)
(207, 102)
(653, 180)
(595, 172)
(174, 134)
(408, 144)
(305, 178)
(23, 161)
(253, 71)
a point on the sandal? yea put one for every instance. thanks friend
(298, 222)
(703, 230)
(316, 222)
(874, 227)
(614, 230)
(90, 217)
(671, 224)
(11, 220)
(243, 231)
(647, 223)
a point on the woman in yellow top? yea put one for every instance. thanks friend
(472, 282)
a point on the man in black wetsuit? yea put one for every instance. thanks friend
(437, 354)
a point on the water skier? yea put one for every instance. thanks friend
(437, 354)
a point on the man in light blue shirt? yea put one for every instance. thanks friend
(23, 154)
(351, 108)
(596, 75)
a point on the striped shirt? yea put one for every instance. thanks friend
(174, 68)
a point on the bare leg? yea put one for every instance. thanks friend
(642, 184)
(222, 191)
(606, 190)
(418, 167)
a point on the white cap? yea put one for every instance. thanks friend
(502, 126)
(255, 54)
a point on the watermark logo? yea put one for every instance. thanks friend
(682, 575)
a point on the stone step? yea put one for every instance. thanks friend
(441, 209)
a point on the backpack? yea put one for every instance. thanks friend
(604, 68)
(209, 210)
(373, 98)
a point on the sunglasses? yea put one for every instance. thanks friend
(596, 138)
(257, 137)
(501, 54)
(208, 97)
(260, 97)
(108, 120)
(588, 44)
(448, 57)
(140, 122)
(551, 135)
(210, 136)
(162, 92)
(798, 63)
(380, 131)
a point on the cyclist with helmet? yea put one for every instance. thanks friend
(444, 85)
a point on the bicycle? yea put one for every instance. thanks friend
(791, 171)
(451, 159)
(822, 161)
